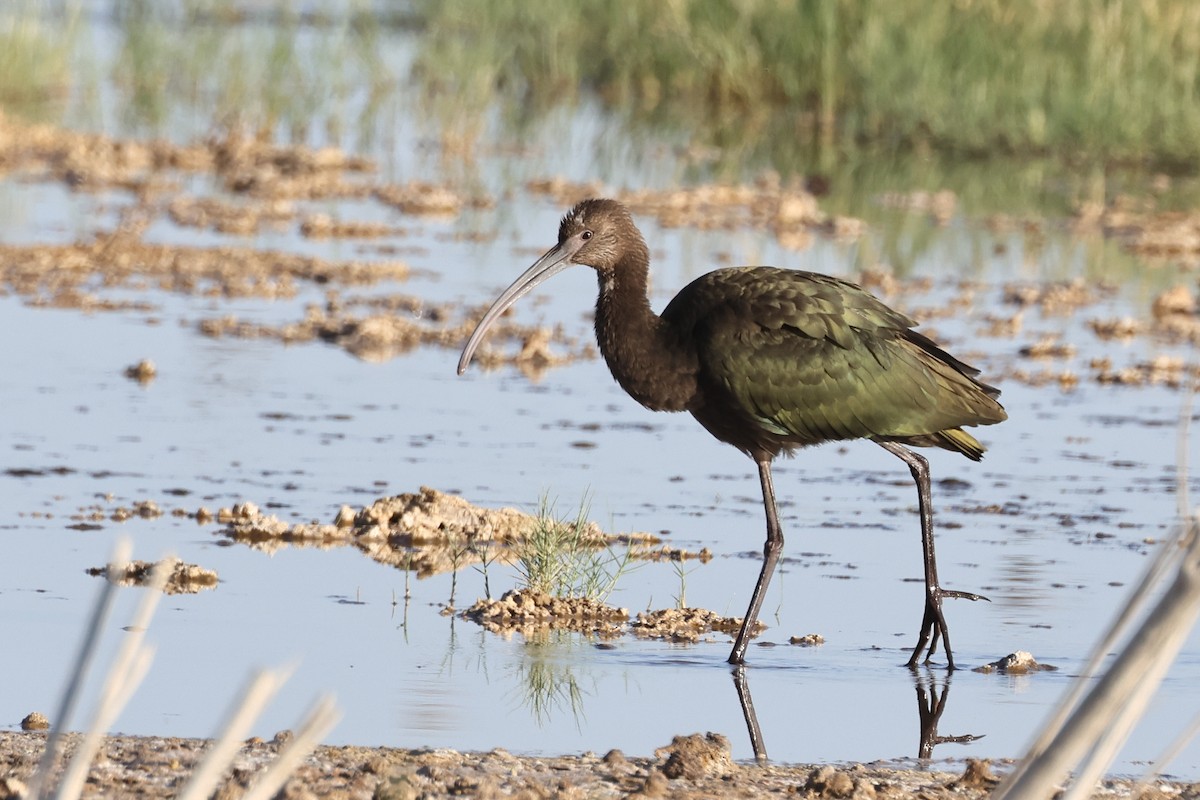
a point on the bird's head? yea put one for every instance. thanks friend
(595, 233)
(599, 234)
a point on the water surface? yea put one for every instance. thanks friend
(1054, 526)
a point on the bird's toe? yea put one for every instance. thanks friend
(954, 593)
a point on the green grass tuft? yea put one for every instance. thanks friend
(562, 557)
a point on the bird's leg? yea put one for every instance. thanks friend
(771, 549)
(934, 622)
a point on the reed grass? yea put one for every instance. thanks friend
(1076, 78)
(560, 558)
(279, 71)
(125, 674)
(813, 86)
(34, 53)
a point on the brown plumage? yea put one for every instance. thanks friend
(771, 360)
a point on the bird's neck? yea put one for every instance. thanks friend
(655, 367)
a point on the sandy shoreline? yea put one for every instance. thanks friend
(691, 767)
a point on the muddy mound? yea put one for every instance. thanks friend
(686, 624)
(181, 578)
(428, 532)
(525, 611)
(432, 517)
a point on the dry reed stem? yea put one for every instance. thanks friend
(321, 718)
(122, 550)
(128, 668)
(125, 674)
(254, 697)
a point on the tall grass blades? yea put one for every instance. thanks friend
(565, 558)
(1113, 80)
(34, 53)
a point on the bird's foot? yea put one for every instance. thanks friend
(933, 625)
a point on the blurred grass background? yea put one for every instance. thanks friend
(1108, 80)
(1065, 101)
(1102, 79)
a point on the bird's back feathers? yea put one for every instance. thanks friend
(807, 358)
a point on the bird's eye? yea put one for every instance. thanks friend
(585, 235)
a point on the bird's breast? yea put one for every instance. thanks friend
(658, 384)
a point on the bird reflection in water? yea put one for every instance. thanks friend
(930, 705)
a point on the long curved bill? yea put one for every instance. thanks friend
(553, 262)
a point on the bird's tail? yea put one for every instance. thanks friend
(960, 441)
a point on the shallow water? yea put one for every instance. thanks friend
(1052, 525)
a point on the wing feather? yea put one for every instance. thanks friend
(811, 358)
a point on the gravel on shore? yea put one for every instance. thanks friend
(692, 767)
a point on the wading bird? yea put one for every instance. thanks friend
(770, 360)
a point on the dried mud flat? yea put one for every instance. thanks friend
(262, 186)
(694, 766)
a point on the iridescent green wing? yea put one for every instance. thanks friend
(812, 358)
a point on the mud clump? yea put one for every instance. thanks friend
(323, 226)
(533, 354)
(432, 517)
(697, 756)
(1145, 230)
(427, 199)
(790, 212)
(430, 532)
(143, 509)
(1176, 301)
(426, 517)
(830, 781)
(668, 553)
(181, 578)
(271, 183)
(977, 775)
(807, 640)
(526, 611)
(251, 166)
(90, 515)
(1121, 328)
(1058, 298)
(63, 276)
(242, 219)
(427, 532)
(244, 165)
(143, 372)
(1174, 313)
(565, 192)
(686, 624)
(35, 721)
(404, 324)
(1047, 347)
(1164, 370)
(1021, 662)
